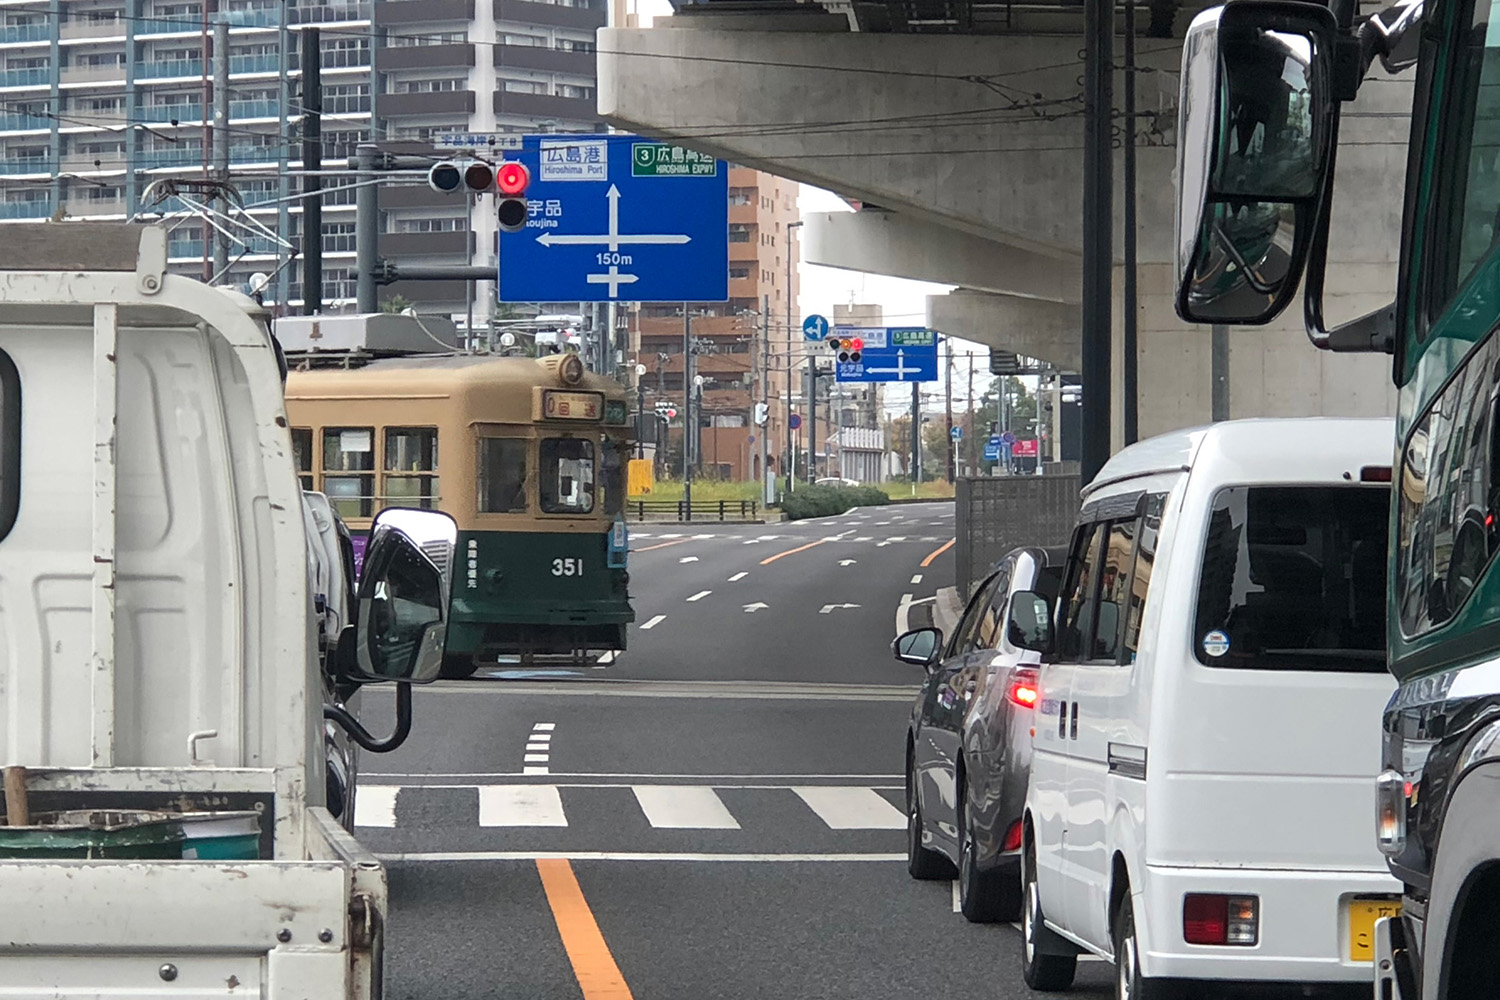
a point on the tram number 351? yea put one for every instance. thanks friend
(567, 567)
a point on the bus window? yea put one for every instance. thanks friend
(502, 475)
(302, 452)
(613, 471)
(567, 480)
(349, 450)
(411, 464)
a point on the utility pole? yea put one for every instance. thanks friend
(768, 488)
(366, 227)
(221, 139)
(973, 422)
(283, 154)
(312, 182)
(206, 141)
(1098, 230)
(916, 432)
(687, 410)
(812, 427)
(1128, 374)
(948, 402)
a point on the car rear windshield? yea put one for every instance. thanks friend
(1294, 579)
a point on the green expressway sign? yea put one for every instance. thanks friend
(655, 159)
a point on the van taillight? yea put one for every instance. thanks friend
(1375, 474)
(1023, 689)
(1211, 918)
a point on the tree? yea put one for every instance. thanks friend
(395, 304)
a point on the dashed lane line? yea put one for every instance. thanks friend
(738, 576)
(652, 623)
(916, 578)
(700, 595)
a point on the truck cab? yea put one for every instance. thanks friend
(166, 669)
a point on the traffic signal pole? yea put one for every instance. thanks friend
(312, 181)
(366, 229)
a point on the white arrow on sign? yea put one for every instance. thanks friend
(614, 239)
(900, 371)
(752, 608)
(829, 608)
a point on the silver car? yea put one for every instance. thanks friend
(968, 746)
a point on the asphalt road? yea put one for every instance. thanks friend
(716, 813)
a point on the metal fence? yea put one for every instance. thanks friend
(701, 510)
(994, 515)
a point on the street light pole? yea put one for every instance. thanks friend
(791, 324)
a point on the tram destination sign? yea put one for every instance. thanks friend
(562, 405)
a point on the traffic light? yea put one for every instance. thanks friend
(447, 176)
(847, 349)
(512, 179)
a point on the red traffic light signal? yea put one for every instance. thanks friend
(512, 178)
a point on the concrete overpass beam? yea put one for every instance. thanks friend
(1048, 331)
(906, 247)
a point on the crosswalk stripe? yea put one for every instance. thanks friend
(520, 805)
(852, 808)
(375, 805)
(684, 807)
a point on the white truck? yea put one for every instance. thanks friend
(162, 679)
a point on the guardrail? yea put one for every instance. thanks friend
(699, 510)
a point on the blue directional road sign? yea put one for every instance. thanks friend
(815, 327)
(618, 218)
(992, 448)
(896, 354)
(956, 433)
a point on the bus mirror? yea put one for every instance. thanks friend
(1256, 118)
(404, 591)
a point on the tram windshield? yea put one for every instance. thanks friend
(567, 476)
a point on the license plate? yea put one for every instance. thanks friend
(1362, 914)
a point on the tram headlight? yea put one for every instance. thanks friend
(571, 370)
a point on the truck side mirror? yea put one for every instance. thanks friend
(1028, 624)
(1255, 122)
(404, 587)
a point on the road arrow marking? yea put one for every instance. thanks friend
(688, 559)
(752, 608)
(829, 608)
(846, 562)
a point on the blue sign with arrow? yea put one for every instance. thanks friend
(618, 218)
(992, 448)
(815, 327)
(909, 354)
(956, 433)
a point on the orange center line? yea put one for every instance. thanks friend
(801, 548)
(941, 549)
(599, 978)
(662, 545)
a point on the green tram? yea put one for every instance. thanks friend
(529, 458)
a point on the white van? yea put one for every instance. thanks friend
(1208, 729)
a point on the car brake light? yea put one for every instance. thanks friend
(1375, 474)
(1023, 689)
(1212, 918)
(1013, 837)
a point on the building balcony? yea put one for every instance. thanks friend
(38, 77)
(550, 14)
(84, 208)
(168, 26)
(333, 13)
(554, 60)
(448, 102)
(264, 17)
(93, 74)
(72, 28)
(80, 163)
(26, 209)
(254, 64)
(426, 244)
(402, 12)
(164, 113)
(157, 159)
(545, 106)
(425, 56)
(14, 33)
(169, 69)
(239, 110)
(26, 167)
(24, 123)
(415, 195)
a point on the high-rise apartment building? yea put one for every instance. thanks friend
(99, 98)
(729, 350)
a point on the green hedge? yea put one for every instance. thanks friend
(825, 500)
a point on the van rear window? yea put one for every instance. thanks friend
(1294, 579)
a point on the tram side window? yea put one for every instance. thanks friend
(302, 453)
(349, 470)
(411, 465)
(567, 476)
(502, 475)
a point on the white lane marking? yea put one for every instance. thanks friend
(444, 856)
(608, 656)
(906, 598)
(703, 537)
(668, 536)
(534, 746)
(958, 906)
(830, 608)
(533, 770)
(851, 808)
(544, 727)
(684, 807)
(864, 538)
(700, 595)
(739, 576)
(520, 805)
(375, 805)
(903, 612)
(688, 559)
(916, 578)
(654, 622)
(846, 562)
(540, 737)
(896, 538)
(535, 758)
(881, 545)
(878, 524)
(752, 608)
